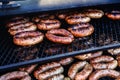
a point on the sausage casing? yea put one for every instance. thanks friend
(57, 77)
(83, 75)
(66, 61)
(89, 55)
(45, 67)
(102, 59)
(102, 73)
(75, 67)
(50, 72)
(109, 65)
(28, 69)
(16, 75)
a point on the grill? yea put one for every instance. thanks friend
(106, 35)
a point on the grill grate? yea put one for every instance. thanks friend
(106, 35)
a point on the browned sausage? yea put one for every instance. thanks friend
(45, 67)
(75, 67)
(114, 15)
(65, 36)
(94, 13)
(83, 75)
(102, 73)
(51, 72)
(22, 28)
(28, 69)
(66, 61)
(102, 59)
(42, 16)
(15, 75)
(28, 38)
(118, 59)
(81, 30)
(13, 23)
(77, 18)
(89, 55)
(109, 65)
(48, 24)
(57, 77)
(114, 51)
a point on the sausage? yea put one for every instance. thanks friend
(83, 75)
(51, 72)
(102, 59)
(102, 73)
(81, 30)
(57, 77)
(118, 78)
(22, 28)
(89, 55)
(28, 69)
(66, 61)
(75, 67)
(45, 67)
(114, 15)
(114, 51)
(16, 22)
(77, 18)
(109, 65)
(118, 59)
(65, 36)
(42, 16)
(28, 38)
(94, 13)
(48, 24)
(67, 78)
(15, 75)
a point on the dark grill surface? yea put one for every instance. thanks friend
(106, 35)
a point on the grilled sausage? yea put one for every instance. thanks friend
(118, 78)
(102, 59)
(51, 72)
(94, 13)
(16, 22)
(48, 24)
(83, 75)
(109, 65)
(114, 51)
(89, 55)
(102, 73)
(81, 30)
(28, 38)
(45, 67)
(65, 38)
(15, 75)
(42, 16)
(114, 15)
(67, 78)
(118, 59)
(66, 61)
(77, 18)
(22, 28)
(75, 67)
(104, 62)
(57, 77)
(28, 69)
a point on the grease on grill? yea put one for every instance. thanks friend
(26, 53)
(53, 49)
(105, 40)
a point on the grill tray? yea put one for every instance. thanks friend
(105, 36)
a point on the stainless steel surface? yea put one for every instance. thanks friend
(29, 6)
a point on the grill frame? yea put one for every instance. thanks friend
(52, 57)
